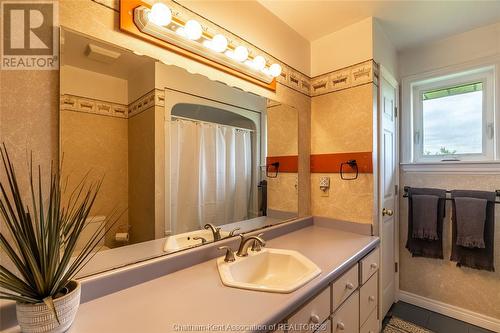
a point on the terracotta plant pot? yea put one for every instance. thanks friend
(39, 318)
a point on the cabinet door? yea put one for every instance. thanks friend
(344, 286)
(371, 324)
(368, 298)
(311, 315)
(346, 319)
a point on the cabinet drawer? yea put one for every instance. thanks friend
(345, 286)
(371, 324)
(346, 319)
(368, 298)
(369, 265)
(313, 313)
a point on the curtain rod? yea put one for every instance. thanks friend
(212, 123)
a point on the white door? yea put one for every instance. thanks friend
(388, 193)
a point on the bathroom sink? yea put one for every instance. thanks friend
(186, 240)
(270, 270)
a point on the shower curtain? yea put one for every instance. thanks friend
(211, 174)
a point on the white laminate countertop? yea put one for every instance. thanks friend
(196, 296)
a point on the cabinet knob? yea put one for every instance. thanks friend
(315, 319)
(349, 286)
(374, 265)
(371, 298)
(340, 326)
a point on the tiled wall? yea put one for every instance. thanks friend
(97, 144)
(342, 122)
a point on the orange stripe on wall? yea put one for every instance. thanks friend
(287, 163)
(330, 163)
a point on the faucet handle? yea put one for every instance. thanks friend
(231, 234)
(203, 240)
(256, 246)
(229, 257)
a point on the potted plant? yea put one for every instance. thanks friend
(40, 244)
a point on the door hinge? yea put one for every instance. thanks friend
(396, 267)
(396, 190)
(395, 111)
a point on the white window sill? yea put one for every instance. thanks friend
(449, 167)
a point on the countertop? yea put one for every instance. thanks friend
(196, 296)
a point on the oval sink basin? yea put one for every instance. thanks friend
(270, 270)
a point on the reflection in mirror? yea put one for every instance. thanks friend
(191, 160)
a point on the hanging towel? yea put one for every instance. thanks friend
(478, 258)
(430, 248)
(425, 216)
(471, 215)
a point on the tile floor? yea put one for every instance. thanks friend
(432, 320)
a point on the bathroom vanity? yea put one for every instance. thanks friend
(343, 295)
(348, 304)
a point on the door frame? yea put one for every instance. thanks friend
(386, 75)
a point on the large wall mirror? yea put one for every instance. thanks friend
(185, 161)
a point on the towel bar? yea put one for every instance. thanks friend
(406, 188)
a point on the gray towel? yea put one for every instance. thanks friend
(425, 216)
(475, 257)
(426, 247)
(471, 215)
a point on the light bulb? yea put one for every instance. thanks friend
(259, 62)
(275, 70)
(193, 30)
(160, 14)
(240, 53)
(219, 43)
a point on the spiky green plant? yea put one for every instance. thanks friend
(44, 232)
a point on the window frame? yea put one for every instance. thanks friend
(486, 76)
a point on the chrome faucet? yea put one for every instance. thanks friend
(246, 242)
(215, 231)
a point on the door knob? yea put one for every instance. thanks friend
(388, 212)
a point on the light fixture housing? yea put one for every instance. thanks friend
(191, 37)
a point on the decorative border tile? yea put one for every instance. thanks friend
(352, 76)
(93, 106)
(155, 97)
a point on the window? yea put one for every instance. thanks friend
(454, 117)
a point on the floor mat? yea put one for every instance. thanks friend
(398, 325)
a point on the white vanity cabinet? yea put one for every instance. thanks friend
(348, 305)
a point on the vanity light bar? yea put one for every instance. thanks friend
(159, 22)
